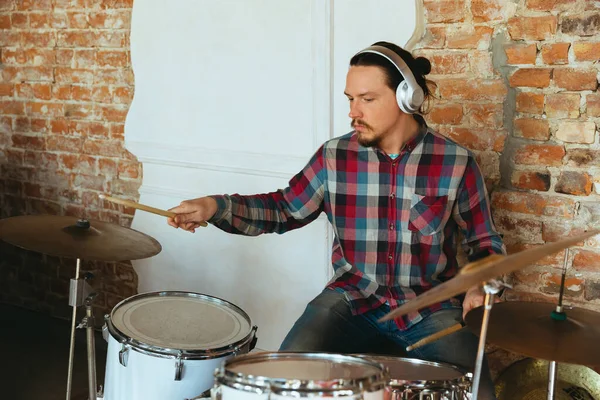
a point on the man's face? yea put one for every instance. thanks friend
(373, 107)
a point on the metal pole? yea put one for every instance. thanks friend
(551, 379)
(491, 288)
(557, 315)
(91, 344)
(91, 348)
(559, 307)
(72, 344)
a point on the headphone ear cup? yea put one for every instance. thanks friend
(418, 98)
(403, 97)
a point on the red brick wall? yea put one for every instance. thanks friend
(518, 84)
(66, 86)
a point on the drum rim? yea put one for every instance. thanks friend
(173, 352)
(261, 384)
(464, 377)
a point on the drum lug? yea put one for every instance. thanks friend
(178, 367)
(254, 339)
(123, 355)
(215, 393)
(105, 332)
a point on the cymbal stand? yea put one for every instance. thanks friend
(88, 323)
(557, 315)
(491, 288)
(78, 290)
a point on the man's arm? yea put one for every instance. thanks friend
(276, 212)
(473, 216)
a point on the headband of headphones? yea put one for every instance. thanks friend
(409, 93)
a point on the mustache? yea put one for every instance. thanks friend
(359, 122)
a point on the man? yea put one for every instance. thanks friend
(396, 194)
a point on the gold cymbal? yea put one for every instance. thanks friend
(529, 329)
(65, 237)
(481, 271)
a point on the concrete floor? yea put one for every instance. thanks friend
(35, 356)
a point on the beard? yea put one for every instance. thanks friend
(368, 142)
(363, 140)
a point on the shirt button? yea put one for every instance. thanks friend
(391, 227)
(393, 195)
(390, 257)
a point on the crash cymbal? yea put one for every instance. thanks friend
(482, 271)
(65, 237)
(529, 329)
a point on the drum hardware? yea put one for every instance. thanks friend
(528, 379)
(178, 367)
(538, 330)
(88, 323)
(80, 239)
(105, 329)
(491, 288)
(77, 289)
(204, 395)
(559, 315)
(124, 354)
(485, 271)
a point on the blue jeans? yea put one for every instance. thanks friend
(327, 325)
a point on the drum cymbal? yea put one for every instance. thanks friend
(65, 237)
(481, 271)
(529, 329)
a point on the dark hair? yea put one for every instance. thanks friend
(419, 66)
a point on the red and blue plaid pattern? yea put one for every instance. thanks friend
(395, 221)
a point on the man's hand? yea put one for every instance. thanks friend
(191, 213)
(474, 298)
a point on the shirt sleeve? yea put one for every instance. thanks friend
(473, 216)
(276, 212)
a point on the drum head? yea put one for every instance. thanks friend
(404, 370)
(181, 320)
(305, 368)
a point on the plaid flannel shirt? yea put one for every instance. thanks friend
(395, 221)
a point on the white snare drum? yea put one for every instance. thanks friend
(412, 379)
(263, 376)
(167, 345)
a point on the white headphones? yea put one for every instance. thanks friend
(409, 94)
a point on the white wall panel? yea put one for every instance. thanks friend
(243, 95)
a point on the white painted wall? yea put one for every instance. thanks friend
(234, 96)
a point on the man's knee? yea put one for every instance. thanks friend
(327, 324)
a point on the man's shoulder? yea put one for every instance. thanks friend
(437, 144)
(346, 142)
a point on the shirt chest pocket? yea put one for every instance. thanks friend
(427, 214)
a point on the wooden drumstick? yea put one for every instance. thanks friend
(142, 207)
(435, 336)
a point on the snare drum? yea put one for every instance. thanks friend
(263, 376)
(167, 345)
(412, 379)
